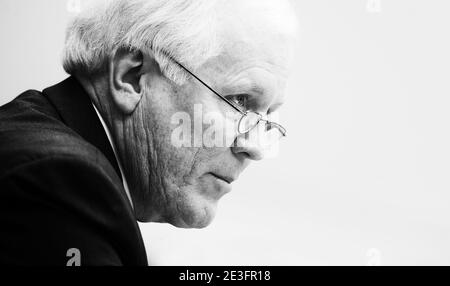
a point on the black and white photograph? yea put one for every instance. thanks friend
(228, 133)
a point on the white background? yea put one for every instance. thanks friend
(363, 177)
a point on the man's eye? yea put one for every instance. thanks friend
(241, 100)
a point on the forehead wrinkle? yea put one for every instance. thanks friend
(241, 76)
(235, 60)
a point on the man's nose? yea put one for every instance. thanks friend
(250, 148)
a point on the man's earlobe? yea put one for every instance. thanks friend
(125, 79)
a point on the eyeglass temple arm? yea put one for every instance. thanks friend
(208, 87)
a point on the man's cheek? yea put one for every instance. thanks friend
(181, 163)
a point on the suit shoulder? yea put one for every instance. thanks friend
(21, 147)
(31, 130)
(31, 108)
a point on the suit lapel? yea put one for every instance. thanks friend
(75, 108)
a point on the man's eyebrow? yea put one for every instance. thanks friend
(249, 87)
(257, 89)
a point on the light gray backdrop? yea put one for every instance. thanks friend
(362, 179)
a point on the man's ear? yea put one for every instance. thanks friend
(126, 86)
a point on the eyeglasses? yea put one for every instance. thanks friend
(273, 132)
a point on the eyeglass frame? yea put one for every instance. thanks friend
(280, 128)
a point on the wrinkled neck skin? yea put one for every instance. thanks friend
(126, 132)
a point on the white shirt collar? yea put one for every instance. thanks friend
(124, 180)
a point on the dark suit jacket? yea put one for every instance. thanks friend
(60, 185)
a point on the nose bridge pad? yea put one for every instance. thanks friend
(267, 126)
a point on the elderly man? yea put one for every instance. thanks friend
(82, 161)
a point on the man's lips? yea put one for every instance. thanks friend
(227, 179)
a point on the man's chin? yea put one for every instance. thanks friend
(197, 216)
(193, 209)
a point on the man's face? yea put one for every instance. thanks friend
(182, 185)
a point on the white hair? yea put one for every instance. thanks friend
(182, 29)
